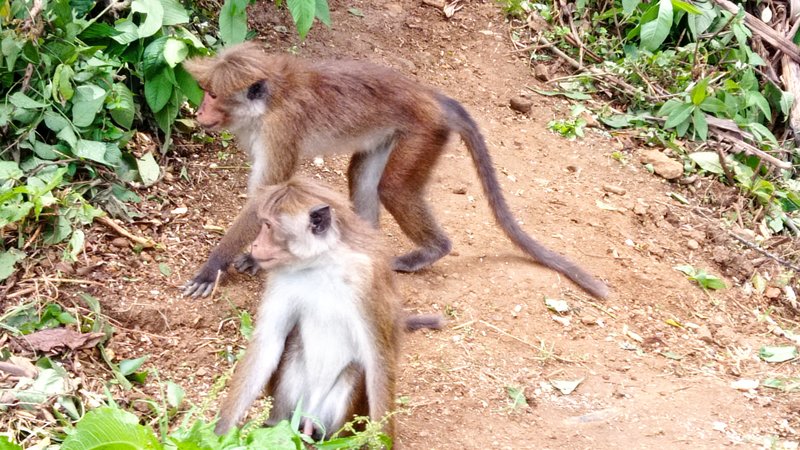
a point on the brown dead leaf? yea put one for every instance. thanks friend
(17, 366)
(57, 340)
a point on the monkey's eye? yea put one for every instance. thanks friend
(212, 95)
(267, 224)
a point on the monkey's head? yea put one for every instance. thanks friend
(235, 85)
(298, 225)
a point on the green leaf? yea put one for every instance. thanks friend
(303, 13)
(174, 13)
(7, 444)
(92, 150)
(708, 281)
(233, 21)
(129, 366)
(75, 245)
(21, 100)
(9, 170)
(698, 24)
(700, 124)
(148, 169)
(686, 269)
(164, 269)
(99, 30)
(517, 396)
(358, 13)
(175, 394)
(5, 114)
(787, 99)
(87, 102)
(685, 6)
(656, 31)
(8, 259)
(754, 98)
(679, 115)
(761, 133)
(62, 83)
(128, 32)
(323, 13)
(158, 89)
(154, 16)
(708, 161)
(246, 325)
(777, 354)
(188, 85)
(121, 106)
(714, 105)
(109, 428)
(628, 6)
(175, 51)
(617, 121)
(279, 437)
(698, 92)
(153, 58)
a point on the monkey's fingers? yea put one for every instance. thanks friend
(198, 288)
(246, 263)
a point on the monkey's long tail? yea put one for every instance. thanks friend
(463, 123)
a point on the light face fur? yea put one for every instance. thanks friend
(328, 324)
(282, 108)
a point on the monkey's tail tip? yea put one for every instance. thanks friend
(422, 321)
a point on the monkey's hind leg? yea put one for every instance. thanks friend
(402, 192)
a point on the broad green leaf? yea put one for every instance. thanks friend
(787, 99)
(168, 113)
(698, 92)
(175, 51)
(699, 23)
(686, 269)
(175, 394)
(174, 13)
(714, 105)
(67, 134)
(158, 89)
(7, 444)
(8, 259)
(188, 85)
(109, 428)
(679, 115)
(55, 121)
(87, 102)
(92, 150)
(148, 169)
(708, 281)
(708, 161)
(49, 382)
(121, 106)
(761, 132)
(129, 366)
(279, 437)
(700, 124)
(21, 100)
(153, 58)
(99, 30)
(617, 120)
(777, 354)
(5, 114)
(233, 21)
(686, 6)
(164, 269)
(323, 13)
(154, 16)
(9, 170)
(628, 6)
(183, 33)
(754, 98)
(45, 151)
(62, 83)
(128, 30)
(303, 13)
(246, 325)
(75, 245)
(656, 31)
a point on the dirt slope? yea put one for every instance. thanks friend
(669, 390)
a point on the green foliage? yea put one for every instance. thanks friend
(701, 277)
(28, 318)
(569, 128)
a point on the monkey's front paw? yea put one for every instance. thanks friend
(202, 284)
(246, 263)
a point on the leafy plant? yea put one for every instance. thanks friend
(701, 277)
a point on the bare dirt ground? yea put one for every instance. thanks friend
(646, 383)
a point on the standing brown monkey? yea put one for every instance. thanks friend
(281, 108)
(329, 322)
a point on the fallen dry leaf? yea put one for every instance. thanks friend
(56, 340)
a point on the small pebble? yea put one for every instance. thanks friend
(692, 244)
(521, 104)
(614, 189)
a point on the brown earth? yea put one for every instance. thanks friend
(656, 359)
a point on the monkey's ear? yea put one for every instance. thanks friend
(257, 90)
(320, 219)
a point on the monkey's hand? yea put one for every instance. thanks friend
(246, 263)
(203, 283)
